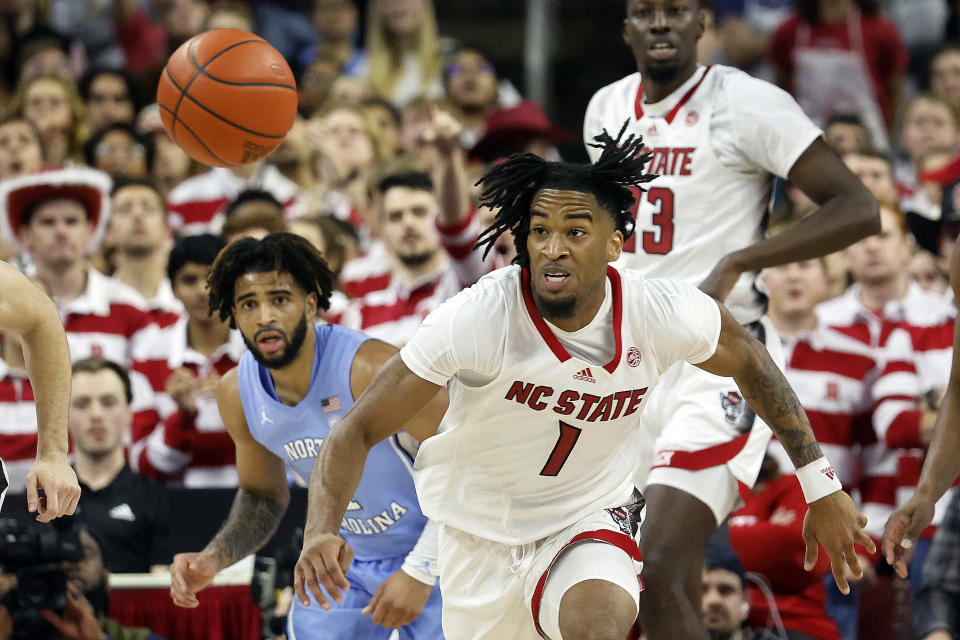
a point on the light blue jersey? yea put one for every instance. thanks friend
(383, 521)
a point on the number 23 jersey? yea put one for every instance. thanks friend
(537, 437)
(715, 141)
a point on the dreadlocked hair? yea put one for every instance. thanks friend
(511, 186)
(280, 252)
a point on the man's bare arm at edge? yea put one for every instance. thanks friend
(847, 213)
(942, 465)
(393, 397)
(833, 520)
(28, 312)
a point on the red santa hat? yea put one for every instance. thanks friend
(89, 187)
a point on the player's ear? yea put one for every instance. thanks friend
(614, 245)
(701, 22)
(311, 304)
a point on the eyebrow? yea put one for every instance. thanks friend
(271, 292)
(585, 215)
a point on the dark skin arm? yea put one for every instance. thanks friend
(847, 213)
(942, 464)
(261, 500)
(833, 520)
(395, 396)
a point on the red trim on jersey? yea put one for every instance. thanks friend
(558, 349)
(620, 540)
(704, 458)
(638, 101)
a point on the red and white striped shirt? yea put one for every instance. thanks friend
(914, 338)
(395, 313)
(164, 307)
(196, 205)
(367, 273)
(18, 425)
(193, 449)
(832, 374)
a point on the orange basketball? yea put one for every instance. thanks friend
(227, 97)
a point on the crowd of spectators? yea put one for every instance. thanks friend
(110, 217)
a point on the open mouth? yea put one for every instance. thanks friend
(270, 341)
(554, 279)
(661, 51)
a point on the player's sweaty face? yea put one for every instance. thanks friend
(663, 36)
(271, 312)
(571, 240)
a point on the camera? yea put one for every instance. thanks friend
(35, 556)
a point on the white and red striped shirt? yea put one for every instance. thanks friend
(914, 339)
(164, 307)
(18, 425)
(197, 204)
(395, 313)
(458, 241)
(366, 273)
(832, 374)
(193, 449)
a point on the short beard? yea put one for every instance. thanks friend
(556, 309)
(662, 75)
(138, 251)
(290, 352)
(416, 260)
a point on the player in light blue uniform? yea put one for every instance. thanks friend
(293, 384)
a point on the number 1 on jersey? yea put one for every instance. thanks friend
(561, 451)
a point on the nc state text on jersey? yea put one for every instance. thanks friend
(670, 161)
(586, 406)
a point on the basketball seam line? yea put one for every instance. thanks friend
(248, 84)
(183, 92)
(199, 139)
(202, 70)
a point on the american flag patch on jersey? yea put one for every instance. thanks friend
(330, 404)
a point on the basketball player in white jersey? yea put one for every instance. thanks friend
(548, 364)
(29, 314)
(716, 136)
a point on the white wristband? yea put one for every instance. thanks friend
(419, 574)
(818, 479)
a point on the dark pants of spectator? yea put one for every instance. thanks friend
(921, 549)
(843, 609)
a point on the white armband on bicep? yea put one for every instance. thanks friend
(421, 562)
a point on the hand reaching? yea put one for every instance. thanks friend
(398, 601)
(189, 574)
(60, 487)
(902, 529)
(834, 522)
(325, 559)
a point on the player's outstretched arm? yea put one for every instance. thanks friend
(393, 398)
(261, 500)
(832, 520)
(28, 312)
(942, 465)
(847, 213)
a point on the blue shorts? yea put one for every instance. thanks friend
(343, 621)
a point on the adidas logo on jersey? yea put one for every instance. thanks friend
(586, 375)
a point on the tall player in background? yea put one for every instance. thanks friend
(293, 384)
(942, 464)
(716, 135)
(548, 364)
(27, 312)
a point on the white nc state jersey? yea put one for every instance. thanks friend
(715, 141)
(536, 438)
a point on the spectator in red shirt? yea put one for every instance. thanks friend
(767, 535)
(835, 58)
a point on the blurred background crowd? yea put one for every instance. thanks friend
(403, 105)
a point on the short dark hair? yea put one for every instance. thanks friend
(93, 364)
(251, 195)
(384, 104)
(845, 118)
(876, 154)
(199, 249)
(411, 179)
(134, 89)
(122, 182)
(280, 252)
(90, 146)
(511, 185)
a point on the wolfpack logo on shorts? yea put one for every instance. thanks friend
(733, 405)
(519, 449)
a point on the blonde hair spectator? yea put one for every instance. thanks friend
(403, 49)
